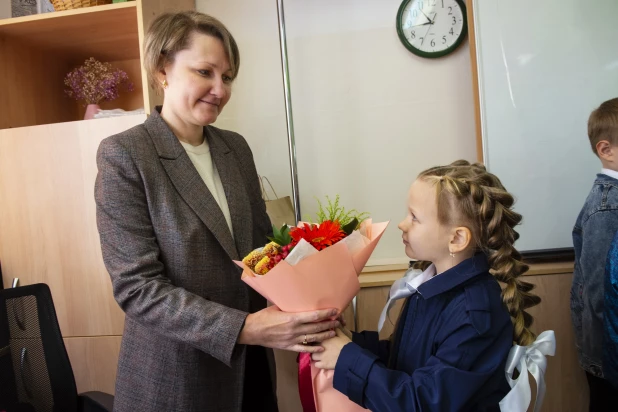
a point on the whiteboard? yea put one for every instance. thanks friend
(543, 67)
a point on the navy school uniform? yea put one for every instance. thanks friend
(448, 353)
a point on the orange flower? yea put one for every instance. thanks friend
(320, 237)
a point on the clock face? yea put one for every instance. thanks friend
(431, 28)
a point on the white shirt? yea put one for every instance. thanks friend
(404, 287)
(202, 160)
(610, 173)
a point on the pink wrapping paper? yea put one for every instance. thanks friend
(328, 279)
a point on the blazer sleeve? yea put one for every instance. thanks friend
(131, 256)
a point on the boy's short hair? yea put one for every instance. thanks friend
(603, 124)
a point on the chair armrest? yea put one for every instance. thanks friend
(96, 402)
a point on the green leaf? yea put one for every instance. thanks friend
(285, 235)
(333, 211)
(350, 227)
(281, 236)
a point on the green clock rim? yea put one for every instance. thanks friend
(431, 55)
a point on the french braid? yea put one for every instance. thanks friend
(468, 195)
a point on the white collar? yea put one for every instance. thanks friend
(610, 173)
(404, 287)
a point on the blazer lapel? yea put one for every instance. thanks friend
(233, 182)
(188, 182)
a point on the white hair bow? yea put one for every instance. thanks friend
(531, 358)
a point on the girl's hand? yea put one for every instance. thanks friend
(332, 348)
(346, 332)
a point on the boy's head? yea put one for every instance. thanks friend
(603, 133)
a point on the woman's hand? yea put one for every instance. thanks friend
(273, 328)
(332, 348)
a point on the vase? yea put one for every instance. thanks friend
(91, 110)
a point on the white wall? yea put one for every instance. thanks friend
(368, 114)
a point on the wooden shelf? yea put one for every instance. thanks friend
(107, 32)
(38, 51)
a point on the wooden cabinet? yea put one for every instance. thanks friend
(47, 215)
(38, 51)
(94, 361)
(48, 167)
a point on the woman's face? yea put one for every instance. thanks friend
(199, 81)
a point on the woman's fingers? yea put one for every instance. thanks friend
(275, 329)
(315, 315)
(320, 337)
(314, 328)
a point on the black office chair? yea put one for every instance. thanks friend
(35, 370)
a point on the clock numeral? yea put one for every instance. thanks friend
(444, 39)
(433, 42)
(412, 35)
(451, 32)
(422, 40)
(414, 13)
(432, 3)
(450, 11)
(420, 5)
(442, 3)
(454, 20)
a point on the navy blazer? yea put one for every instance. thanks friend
(448, 354)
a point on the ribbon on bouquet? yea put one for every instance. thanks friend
(531, 358)
(305, 382)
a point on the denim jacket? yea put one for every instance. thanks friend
(610, 317)
(592, 236)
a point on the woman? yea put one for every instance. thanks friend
(178, 201)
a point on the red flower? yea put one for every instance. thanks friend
(320, 237)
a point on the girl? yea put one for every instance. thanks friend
(450, 346)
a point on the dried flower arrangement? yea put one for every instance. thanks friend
(95, 82)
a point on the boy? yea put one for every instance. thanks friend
(592, 235)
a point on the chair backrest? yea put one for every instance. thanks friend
(35, 362)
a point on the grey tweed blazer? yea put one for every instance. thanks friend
(169, 252)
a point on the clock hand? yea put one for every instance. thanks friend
(430, 21)
(429, 28)
(411, 18)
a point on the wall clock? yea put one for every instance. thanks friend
(432, 28)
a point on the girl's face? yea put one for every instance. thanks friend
(424, 237)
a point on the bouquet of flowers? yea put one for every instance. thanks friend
(310, 267)
(95, 82)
